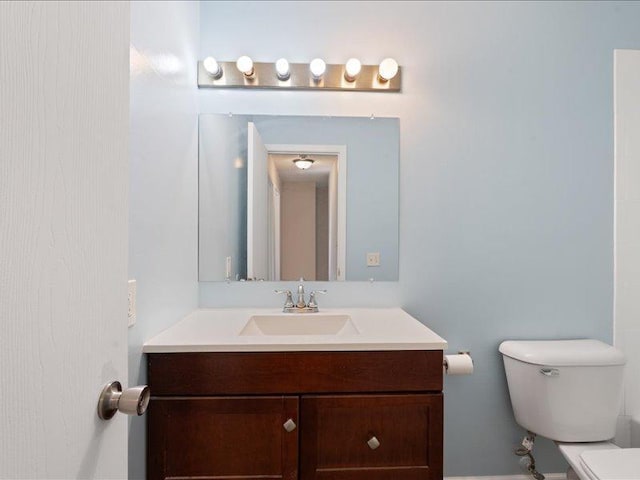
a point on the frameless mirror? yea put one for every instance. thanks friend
(285, 197)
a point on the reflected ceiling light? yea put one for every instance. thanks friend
(352, 69)
(387, 70)
(212, 67)
(245, 65)
(303, 162)
(317, 68)
(282, 69)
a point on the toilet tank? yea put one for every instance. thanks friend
(565, 390)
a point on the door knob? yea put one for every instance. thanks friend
(132, 401)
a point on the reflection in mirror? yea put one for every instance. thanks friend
(276, 202)
(303, 193)
(302, 215)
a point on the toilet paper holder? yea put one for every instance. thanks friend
(445, 363)
(132, 401)
(460, 352)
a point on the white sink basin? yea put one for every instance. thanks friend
(300, 324)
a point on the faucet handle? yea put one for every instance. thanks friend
(312, 298)
(288, 303)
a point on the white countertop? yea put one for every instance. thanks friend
(217, 330)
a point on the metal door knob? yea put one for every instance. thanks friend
(133, 401)
(373, 442)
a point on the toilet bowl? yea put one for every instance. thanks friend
(570, 391)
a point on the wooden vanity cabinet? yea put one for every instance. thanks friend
(349, 415)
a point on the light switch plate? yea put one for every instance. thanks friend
(227, 269)
(373, 259)
(131, 314)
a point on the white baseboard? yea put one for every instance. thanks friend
(547, 476)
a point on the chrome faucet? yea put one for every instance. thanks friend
(301, 306)
(301, 303)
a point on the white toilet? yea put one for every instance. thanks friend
(570, 391)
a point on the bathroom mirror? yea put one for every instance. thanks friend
(284, 197)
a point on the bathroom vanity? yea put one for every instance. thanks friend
(235, 394)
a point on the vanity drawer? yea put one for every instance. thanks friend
(265, 373)
(336, 430)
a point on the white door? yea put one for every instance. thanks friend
(627, 228)
(257, 206)
(64, 108)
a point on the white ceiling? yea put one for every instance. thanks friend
(318, 172)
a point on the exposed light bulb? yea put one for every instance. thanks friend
(245, 65)
(352, 69)
(212, 67)
(388, 69)
(282, 69)
(317, 68)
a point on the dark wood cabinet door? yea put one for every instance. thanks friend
(222, 438)
(337, 437)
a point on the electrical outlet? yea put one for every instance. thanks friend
(131, 314)
(373, 259)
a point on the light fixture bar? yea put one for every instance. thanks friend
(265, 76)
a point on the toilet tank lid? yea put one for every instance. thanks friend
(585, 352)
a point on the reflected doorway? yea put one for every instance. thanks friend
(296, 217)
(303, 215)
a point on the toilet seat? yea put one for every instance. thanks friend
(572, 452)
(615, 464)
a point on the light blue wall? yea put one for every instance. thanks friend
(372, 185)
(506, 173)
(164, 180)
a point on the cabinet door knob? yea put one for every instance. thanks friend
(289, 425)
(373, 443)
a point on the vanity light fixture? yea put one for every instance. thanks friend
(212, 67)
(282, 69)
(303, 163)
(317, 67)
(350, 76)
(387, 70)
(352, 69)
(245, 65)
